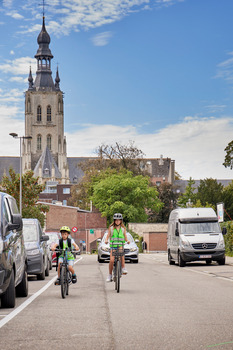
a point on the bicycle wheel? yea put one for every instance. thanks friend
(63, 282)
(118, 275)
(68, 278)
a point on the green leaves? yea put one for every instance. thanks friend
(30, 194)
(122, 192)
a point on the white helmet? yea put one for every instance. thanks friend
(117, 216)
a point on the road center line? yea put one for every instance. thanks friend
(20, 308)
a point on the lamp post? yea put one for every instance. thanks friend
(20, 165)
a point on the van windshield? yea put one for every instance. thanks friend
(199, 227)
(30, 233)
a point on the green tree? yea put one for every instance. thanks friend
(30, 194)
(127, 194)
(210, 191)
(228, 161)
(168, 196)
(109, 158)
(228, 200)
(188, 195)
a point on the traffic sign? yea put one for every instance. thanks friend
(91, 231)
(74, 229)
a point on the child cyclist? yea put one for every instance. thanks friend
(63, 243)
(116, 230)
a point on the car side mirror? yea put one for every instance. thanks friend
(17, 223)
(44, 238)
(136, 240)
(99, 240)
(224, 230)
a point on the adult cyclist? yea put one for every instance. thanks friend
(116, 230)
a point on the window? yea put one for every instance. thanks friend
(158, 183)
(49, 142)
(49, 116)
(66, 190)
(39, 113)
(38, 142)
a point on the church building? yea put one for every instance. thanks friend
(45, 153)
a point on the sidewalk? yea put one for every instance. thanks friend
(229, 260)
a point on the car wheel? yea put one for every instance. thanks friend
(135, 261)
(222, 261)
(41, 276)
(8, 298)
(50, 264)
(181, 262)
(171, 262)
(22, 288)
(208, 261)
(47, 269)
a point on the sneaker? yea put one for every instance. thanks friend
(109, 278)
(74, 279)
(124, 271)
(57, 282)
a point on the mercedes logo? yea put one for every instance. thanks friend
(204, 246)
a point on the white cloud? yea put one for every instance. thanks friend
(196, 145)
(18, 66)
(101, 39)
(14, 15)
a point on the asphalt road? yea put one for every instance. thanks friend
(159, 307)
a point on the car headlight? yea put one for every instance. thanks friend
(133, 249)
(34, 252)
(105, 249)
(185, 244)
(221, 244)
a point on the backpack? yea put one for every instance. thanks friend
(61, 243)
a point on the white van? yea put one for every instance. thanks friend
(195, 234)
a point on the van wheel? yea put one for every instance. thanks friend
(8, 298)
(171, 262)
(22, 288)
(181, 262)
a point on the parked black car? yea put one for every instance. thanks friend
(36, 248)
(13, 259)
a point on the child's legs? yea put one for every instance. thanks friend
(123, 261)
(71, 269)
(111, 262)
(58, 270)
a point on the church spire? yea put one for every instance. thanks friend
(57, 81)
(30, 80)
(44, 56)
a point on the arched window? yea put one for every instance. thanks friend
(49, 117)
(38, 142)
(39, 113)
(49, 142)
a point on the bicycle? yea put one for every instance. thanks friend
(65, 274)
(117, 252)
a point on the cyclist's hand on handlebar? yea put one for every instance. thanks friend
(128, 242)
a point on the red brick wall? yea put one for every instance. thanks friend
(59, 216)
(156, 241)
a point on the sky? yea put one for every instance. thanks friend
(155, 72)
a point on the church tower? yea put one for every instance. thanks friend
(45, 153)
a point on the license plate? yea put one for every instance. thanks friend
(205, 256)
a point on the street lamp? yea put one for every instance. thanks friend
(20, 166)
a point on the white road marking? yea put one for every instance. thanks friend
(20, 308)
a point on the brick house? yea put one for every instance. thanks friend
(90, 225)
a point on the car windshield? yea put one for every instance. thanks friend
(30, 233)
(52, 238)
(199, 227)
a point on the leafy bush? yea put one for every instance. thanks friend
(228, 238)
